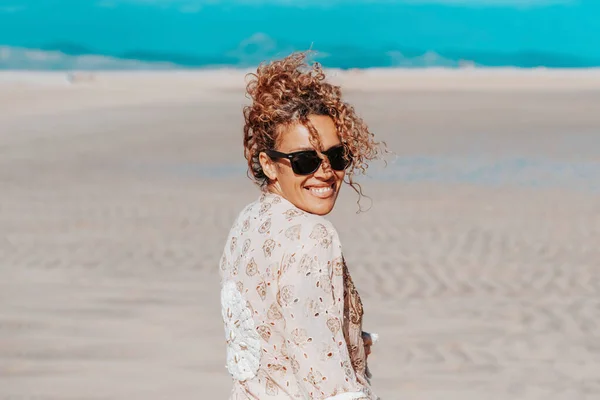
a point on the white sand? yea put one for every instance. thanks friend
(478, 262)
(25, 93)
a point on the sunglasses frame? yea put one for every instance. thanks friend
(274, 154)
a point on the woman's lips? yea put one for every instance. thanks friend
(321, 191)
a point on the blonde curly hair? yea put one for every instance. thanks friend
(285, 92)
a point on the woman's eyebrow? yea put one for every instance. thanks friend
(310, 148)
(305, 148)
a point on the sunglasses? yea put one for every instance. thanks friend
(308, 161)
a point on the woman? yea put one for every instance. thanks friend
(291, 312)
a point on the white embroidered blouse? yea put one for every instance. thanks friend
(292, 315)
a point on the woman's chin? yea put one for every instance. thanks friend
(318, 206)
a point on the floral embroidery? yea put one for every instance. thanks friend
(327, 352)
(314, 307)
(272, 270)
(274, 313)
(264, 228)
(264, 208)
(293, 212)
(300, 337)
(288, 260)
(310, 267)
(338, 266)
(276, 369)
(320, 234)
(271, 388)
(268, 247)
(315, 378)
(261, 288)
(246, 225)
(236, 265)
(246, 246)
(251, 268)
(286, 294)
(295, 365)
(293, 232)
(306, 265)
(348, 370)
(334, 325)
(265, 332)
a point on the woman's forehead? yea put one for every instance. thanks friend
(297, 137)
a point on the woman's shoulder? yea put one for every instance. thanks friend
(274, 216)
(285, 213)
(289, 224)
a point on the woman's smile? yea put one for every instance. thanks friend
(322, 191)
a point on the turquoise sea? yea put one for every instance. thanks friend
(143, 34)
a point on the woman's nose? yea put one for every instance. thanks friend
(324, 169)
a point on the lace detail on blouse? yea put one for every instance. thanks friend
(243, 342)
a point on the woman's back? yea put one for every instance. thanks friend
(283, 305)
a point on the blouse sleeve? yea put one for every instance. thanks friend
(311, 300)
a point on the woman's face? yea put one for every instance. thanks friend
(315, 193)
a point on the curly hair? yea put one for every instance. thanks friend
(286, 92)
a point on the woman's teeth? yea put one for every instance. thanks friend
(322, 192)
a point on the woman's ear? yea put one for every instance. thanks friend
(268, 166)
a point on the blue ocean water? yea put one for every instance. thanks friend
(115, 34)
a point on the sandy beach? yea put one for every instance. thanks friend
(478, 260)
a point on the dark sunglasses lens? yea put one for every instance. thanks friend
(306, 163)
(337, 159)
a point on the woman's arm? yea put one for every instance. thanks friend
(311, 300)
